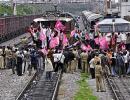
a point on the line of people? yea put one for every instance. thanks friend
(21, 60)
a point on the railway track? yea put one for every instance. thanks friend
(120, 87)
(41, 89)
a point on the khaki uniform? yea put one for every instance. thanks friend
(96, 59)
(99, 78)
(1, 60)
(7, 57)
(84, 57)
(73, 65)
(24, 40)
(75, 61)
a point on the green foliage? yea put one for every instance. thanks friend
(24, 9)
(84, 92)
(21, 10)
(5, 10)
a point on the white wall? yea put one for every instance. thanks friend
(125, 9)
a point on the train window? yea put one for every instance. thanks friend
(106, 29)
(121, 29)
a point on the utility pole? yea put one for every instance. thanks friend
(14, 7)
(120, 2)
(106, 7)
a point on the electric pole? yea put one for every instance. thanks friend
(14, 7)
(106, 7)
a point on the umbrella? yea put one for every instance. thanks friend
(113, 25)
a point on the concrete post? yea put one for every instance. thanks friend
(14, 9)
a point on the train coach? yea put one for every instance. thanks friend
(51, 17)
(90, 19)
(12, 26)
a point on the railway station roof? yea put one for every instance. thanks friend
(42, 19)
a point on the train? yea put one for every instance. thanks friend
(13, 26)
(90, 19)
(50, 18)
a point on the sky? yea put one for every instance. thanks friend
(116, 0)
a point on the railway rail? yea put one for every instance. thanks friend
(119, 87)
(41, 89)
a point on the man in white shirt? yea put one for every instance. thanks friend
(92, 68)
(118, 38)
(123, 37)
(58, 61)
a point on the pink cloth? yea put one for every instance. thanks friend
(42, 35)
(59, 25)
(54, 42)
(72, 33)
(83, 47)
(89, 48)
(86, 48)
(103, 43)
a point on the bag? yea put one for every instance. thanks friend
(59, 60)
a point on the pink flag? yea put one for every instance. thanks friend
(86, 48)
(42, 35)
(89, 48)
(72, 33)
(54, 42)
(103, 43)
(59, 25)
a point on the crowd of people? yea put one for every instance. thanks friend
(20, 60)
(98, 55)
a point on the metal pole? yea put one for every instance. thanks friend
(106, 7)
(120, 2)
(110, 6)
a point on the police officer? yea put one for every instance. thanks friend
(8, 54)
(1, 59)
(19, 62)
(84, 57)
(98, 77)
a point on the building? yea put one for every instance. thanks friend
(125, 8)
